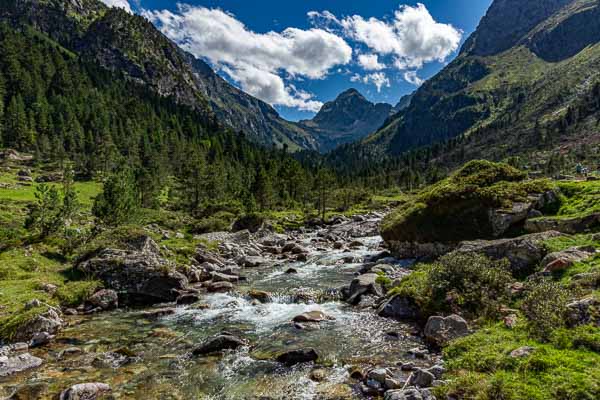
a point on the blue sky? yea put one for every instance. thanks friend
(298, 54)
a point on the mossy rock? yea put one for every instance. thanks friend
(466, 206)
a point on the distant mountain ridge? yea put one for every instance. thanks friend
(526, 79)
(131, 45)
(348, 118)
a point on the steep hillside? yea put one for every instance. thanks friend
(131, 45)
(526, 80)
(348, 118)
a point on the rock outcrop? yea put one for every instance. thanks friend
(570, 225)
(523, 253)
(139, 275)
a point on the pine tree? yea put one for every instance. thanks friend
(263, 189)
(16, 131)
(44, 215)
(118, 202)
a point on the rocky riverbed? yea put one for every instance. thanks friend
(264, 316)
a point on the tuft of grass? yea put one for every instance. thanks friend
(579, 198)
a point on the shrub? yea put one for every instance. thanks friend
(218, 222)
(469, 284)
(545, 307)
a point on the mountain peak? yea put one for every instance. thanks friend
(348, 118)
(507, 22)
(350, 92)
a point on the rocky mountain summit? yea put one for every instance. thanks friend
(348, 118)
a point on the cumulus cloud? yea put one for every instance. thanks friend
(370, 62)
(379, 79)
(412, 37)
(413, 78)
(119, 4)
(256, 60)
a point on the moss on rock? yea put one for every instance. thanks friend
(462, 206)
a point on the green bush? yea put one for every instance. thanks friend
(465, 283)
(545, 307)
(218, 222)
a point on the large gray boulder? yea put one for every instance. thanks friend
(362, 285)
(49, 322)
(138, 275)
(85, 391)
(409, 393)
(440, 330)
(12, 364)
(524, 252)
(105, 299)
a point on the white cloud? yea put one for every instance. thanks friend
(412, 37)
(370, 62)
(256, 60)
(379, 79)
(413, 78)
(118, 3)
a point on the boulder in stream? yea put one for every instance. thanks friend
(219, 343)
(85, 391)
(400, 308)
(299, 356)
(313, 316)
(364, 284)
(12, 364)
(106, 299)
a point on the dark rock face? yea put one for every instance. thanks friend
(298, 356)
(139, 276)
(566, 35)
(506, 22)
(400, 308)
(219, 343)
(348, 118)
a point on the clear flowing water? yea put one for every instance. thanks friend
(150, 358)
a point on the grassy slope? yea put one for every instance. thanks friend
(24, 269)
